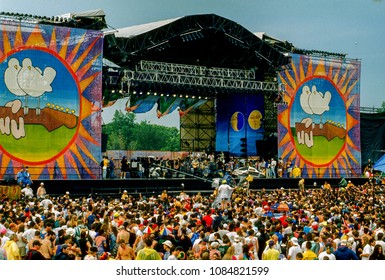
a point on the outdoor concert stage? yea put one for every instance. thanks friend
(147, 187)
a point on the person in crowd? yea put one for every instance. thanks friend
(34, 253)
(91, 254)
(11, 248)
(224, 194)
(27, 192)
(271, 253)
(41, 191)
(125, 251)
(378, 253)
(344, 253)
(148, 253)
(327, 253)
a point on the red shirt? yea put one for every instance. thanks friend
(208, 220)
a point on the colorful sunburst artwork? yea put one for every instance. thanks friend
(318, 122)
(50, 102)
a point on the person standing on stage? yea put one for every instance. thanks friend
(111, 168)
(23, 177)
(124, 168)
(104, 164)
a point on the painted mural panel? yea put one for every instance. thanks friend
(50, 100)
(318, 126)
(239, 116)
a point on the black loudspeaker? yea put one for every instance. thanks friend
(261, 148)
(104, 142)
(267, 148)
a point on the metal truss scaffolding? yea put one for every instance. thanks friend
(164, 74)
(197, 129)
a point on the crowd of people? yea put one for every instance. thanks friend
(324, 223)
(200, 164)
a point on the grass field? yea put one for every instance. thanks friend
(39, 144)
(322, 152)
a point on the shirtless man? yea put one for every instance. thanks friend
(123, 234)
(125, 252)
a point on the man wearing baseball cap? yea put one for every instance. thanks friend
(34, 253)
(294, 249)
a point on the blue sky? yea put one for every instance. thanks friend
(354, 27)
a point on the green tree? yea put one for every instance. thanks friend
(155, 137)
(124, 134)
(119, 131)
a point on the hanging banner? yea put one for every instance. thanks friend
(319, 126)
(50, 102)
(239, 123)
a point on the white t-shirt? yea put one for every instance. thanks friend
(367, 250)
(27, 192)
(293, 251)
(225, 191)
(321, 256)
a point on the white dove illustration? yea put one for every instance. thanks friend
(34, 82)
(304, 100)
(319, 103)
(10, 80)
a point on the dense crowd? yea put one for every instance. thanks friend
(325, 223)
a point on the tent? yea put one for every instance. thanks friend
(380, 164)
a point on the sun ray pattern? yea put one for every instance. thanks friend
(58, 132)
(318, 126)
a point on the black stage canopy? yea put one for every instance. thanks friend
(203, 40)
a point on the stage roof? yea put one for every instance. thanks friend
(205, 40)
